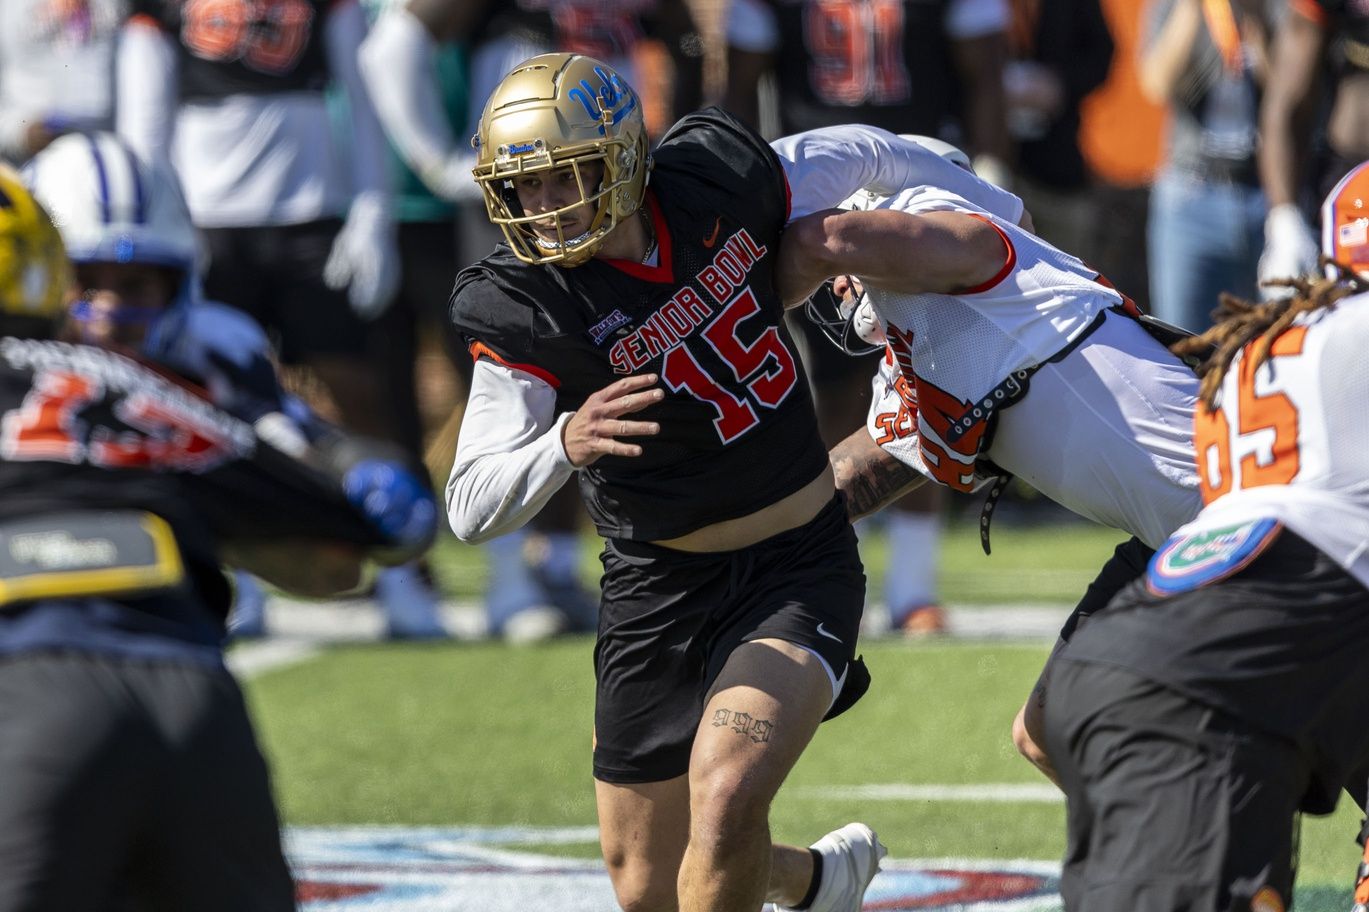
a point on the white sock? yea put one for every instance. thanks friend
(914, 546)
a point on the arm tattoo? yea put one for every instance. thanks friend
(869, 477)
(758, 730)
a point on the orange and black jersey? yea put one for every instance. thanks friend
(885, 63)
(243, 47)
(737, 425)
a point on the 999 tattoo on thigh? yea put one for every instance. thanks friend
(758, 730)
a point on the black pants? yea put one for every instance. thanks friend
(132, 784)
(1173, 807)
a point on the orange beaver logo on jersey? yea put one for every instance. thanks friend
(950, 457)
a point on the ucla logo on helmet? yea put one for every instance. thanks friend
(613, 96)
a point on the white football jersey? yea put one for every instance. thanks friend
(1289, 440)
(957, 351)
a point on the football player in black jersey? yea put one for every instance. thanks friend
(131, 774)
(631, 336)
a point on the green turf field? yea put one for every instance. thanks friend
(493, 735)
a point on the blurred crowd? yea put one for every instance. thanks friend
(1178, 146)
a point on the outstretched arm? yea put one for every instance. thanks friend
(868, 476)
(938, 252)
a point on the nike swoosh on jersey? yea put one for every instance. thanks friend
(713, 238)
(828, 634)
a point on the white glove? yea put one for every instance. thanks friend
(452, 179)
(1290, 249)
(365, 257)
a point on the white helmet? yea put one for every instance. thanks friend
(111, 206)
(947, 151)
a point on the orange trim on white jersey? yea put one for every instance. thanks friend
(1008, 265)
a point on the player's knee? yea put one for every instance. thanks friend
(639, 885)
(725, 807)
(1022, 738)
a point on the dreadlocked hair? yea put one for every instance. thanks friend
(1239, 321)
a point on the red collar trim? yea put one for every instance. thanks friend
(663, 271)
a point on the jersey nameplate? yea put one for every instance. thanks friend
(67, 555)
(1186, 562)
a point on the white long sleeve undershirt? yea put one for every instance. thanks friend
(509, 457)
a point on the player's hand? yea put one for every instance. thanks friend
(594, 429)
(394, 500)
(1290, 249)
(365, 257)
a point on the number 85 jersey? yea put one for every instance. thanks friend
(737, 426)
(1289, 440)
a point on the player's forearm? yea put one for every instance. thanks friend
(311, 569)
(1296, 58)
(939, 252)
(397, 64)
(145, 80)
(868, 476)
(343, 34)
(491, 494)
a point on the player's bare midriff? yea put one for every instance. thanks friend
(781, 516)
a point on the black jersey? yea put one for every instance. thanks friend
(244, 47)
(880, 62)
(86, 429)
(737, 425)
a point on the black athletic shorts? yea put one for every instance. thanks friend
(128, 783)
(275, 273)
(1172, 805)
(670, 620)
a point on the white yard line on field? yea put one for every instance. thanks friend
(992, 792)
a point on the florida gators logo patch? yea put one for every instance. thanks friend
(1196, 559)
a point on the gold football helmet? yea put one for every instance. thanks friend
(35, 275)
(556, 111)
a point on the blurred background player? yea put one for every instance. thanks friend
(132, 776)
(56, 70)
(934, 69)
(129, 237)
(1227, 692)
(1318, 88)
(233, 96)
(534, 588)
(1207, 61)
(1059, 53)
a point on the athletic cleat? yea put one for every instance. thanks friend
(924, 621)
(850, 860)
(534, 625)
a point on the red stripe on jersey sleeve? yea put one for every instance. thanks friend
(1008, 264)
(1310, 9)
(481, 350)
